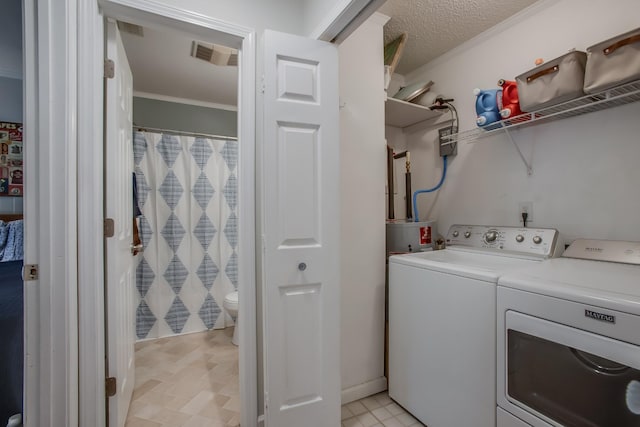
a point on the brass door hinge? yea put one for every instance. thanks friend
(110, 386)
(109, 227)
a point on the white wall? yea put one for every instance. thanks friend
(11, 80)
(301, 17)
(320, 14)
(280, 15)
(585, 169)
(316, 10)
(363, 162)
(11, 40)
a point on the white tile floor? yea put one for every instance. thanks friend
(376, 411)
(186, 381)
(192, 381)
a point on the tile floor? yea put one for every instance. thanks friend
(376, 411)
(186, 381)
(192, 381)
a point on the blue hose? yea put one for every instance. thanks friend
(430, 190)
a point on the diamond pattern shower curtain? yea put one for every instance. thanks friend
(187, 192)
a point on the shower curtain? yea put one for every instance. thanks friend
(187, 193)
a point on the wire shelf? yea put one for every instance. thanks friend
(620, 95)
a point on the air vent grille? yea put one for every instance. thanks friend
(215, 54)
(134, 29)
(203, 52)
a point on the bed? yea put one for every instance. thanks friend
(11, 331)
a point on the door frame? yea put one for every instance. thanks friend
(50, 213)
(90, 179)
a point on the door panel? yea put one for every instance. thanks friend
(300, 201)
(120, 284)
(299, 185)
(302, 344)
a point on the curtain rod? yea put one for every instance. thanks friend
(181, 133)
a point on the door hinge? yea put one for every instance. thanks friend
(30, 272)
(262, 85)
(109, 227)
(109, 69)
(110, 386)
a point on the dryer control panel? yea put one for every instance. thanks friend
(536, 242)
(605, 250)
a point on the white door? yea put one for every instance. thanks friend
(119, 207)
(300, 200)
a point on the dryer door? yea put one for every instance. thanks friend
(571, 377)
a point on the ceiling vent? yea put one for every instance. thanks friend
(215, 54)
(134, 29)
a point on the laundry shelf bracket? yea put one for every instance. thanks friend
(524, 160)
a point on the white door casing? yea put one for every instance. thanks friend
(119, 281)
(300, 201)
(202, 27)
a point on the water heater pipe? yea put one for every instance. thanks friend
(415, 195)
(407, 181)
(390, 205)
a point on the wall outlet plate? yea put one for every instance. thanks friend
(525, 207)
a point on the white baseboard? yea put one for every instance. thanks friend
(360, 391)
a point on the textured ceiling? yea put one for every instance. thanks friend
(161, 64)
(436, 26)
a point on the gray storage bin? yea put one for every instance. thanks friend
(613, 62)
(553, 82)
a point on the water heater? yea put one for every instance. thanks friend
(404, 236)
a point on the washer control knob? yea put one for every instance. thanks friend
(467, 234)
(491, 236)
(537, 240)
(519, 238)
(456, 234)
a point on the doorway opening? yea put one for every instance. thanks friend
(210, 31)
(185, 155)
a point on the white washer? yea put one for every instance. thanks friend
(442, 321)
(569, 339)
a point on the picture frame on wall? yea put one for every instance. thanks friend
(11, 160)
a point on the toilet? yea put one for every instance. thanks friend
(231, 305)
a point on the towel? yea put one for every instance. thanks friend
(136, 208)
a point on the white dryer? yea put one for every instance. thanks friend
(442, 321)
(569, 339)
